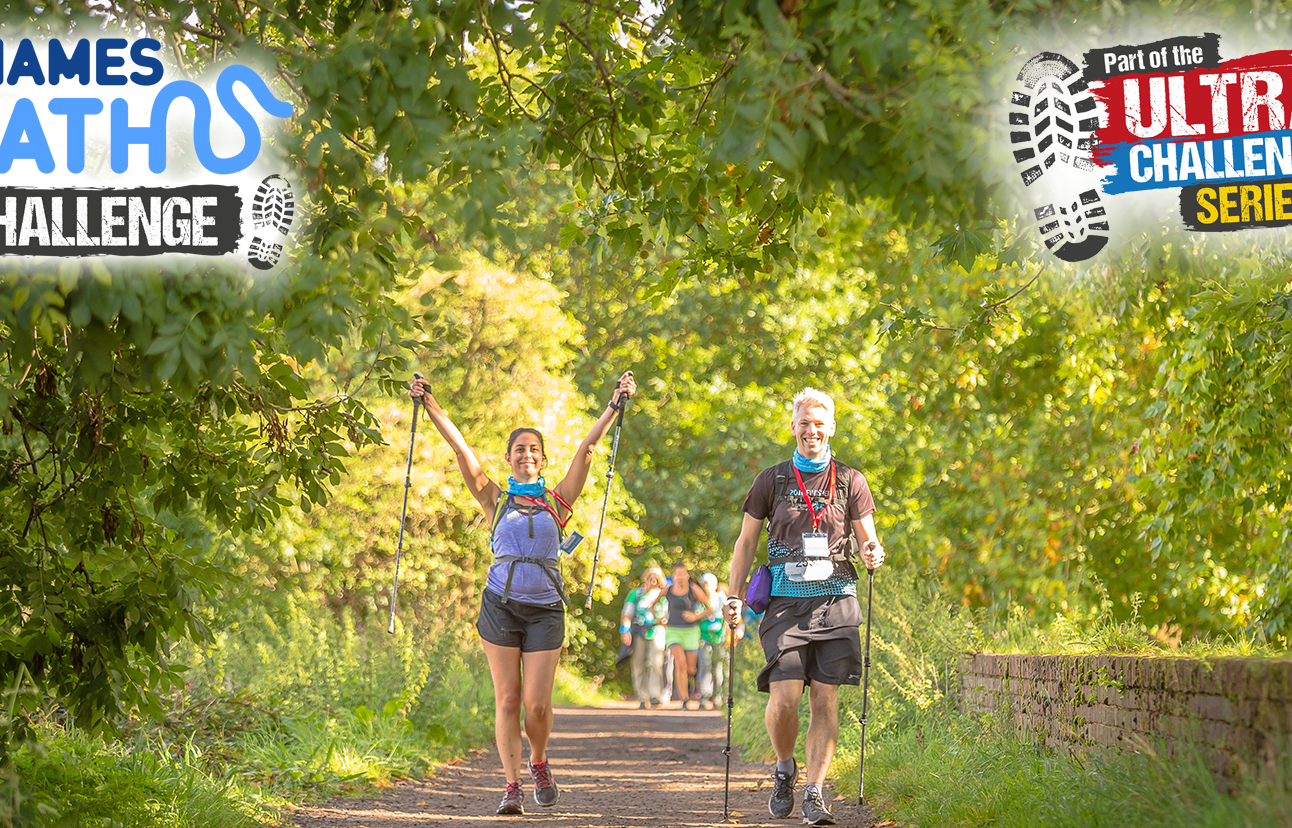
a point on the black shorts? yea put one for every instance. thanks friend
(531, 627)
(811, 639)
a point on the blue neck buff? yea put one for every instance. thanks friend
(527, 489)
(805, 465)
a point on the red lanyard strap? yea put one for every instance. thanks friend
(816, 516)
(547, 508)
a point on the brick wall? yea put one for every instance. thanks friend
(1236, 710)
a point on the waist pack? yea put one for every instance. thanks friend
(760, 590)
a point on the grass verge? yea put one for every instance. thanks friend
(964, 771)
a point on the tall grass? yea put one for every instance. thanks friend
(78, 781)
(288, 703)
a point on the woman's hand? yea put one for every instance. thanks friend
(484, 490)
(627, 386)
(571, 485)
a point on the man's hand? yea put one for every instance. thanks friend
(626, 638)
(873, 555)
(418, 388)
(731, 610)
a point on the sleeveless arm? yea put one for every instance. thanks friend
(571, 486)
(484, 490)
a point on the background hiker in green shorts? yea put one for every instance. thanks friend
(687, 604)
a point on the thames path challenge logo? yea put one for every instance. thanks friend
(103, 155)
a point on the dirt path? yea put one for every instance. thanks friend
(617, 767)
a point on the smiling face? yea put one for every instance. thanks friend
(525, 456)
(813, 427)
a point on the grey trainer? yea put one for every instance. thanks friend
(814, 810)
(781, 803)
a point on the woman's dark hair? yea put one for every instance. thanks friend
(680, 565)
(516, 434)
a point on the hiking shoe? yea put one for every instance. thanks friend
(781, 803)
(513, 802)
(545, 791)
(814, 810)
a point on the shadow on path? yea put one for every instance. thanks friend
(617, 767)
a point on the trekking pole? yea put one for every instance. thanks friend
(731, 683)
(408, 481)
(610, 473)
(865, 685)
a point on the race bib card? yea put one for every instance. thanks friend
(814, 570)
(816, 545)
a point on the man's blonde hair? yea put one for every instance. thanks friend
(811, 397)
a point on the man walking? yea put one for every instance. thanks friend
(813, 506)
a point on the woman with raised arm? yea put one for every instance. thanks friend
(522, 613)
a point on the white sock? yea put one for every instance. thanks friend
(785, 766)
(816, 789)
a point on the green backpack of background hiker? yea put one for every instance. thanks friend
(550, 503)
(711, 630)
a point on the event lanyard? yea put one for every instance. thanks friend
(546, 508)
(816, 516)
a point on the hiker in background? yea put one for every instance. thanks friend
(641, 625)
(522, 614)
(814, 506)
(687, 604)
(711, 663)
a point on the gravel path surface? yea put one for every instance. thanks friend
(617, 767)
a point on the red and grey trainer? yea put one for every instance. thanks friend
(513, 802)
(545, 790)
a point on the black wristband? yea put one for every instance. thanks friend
(617, 406)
